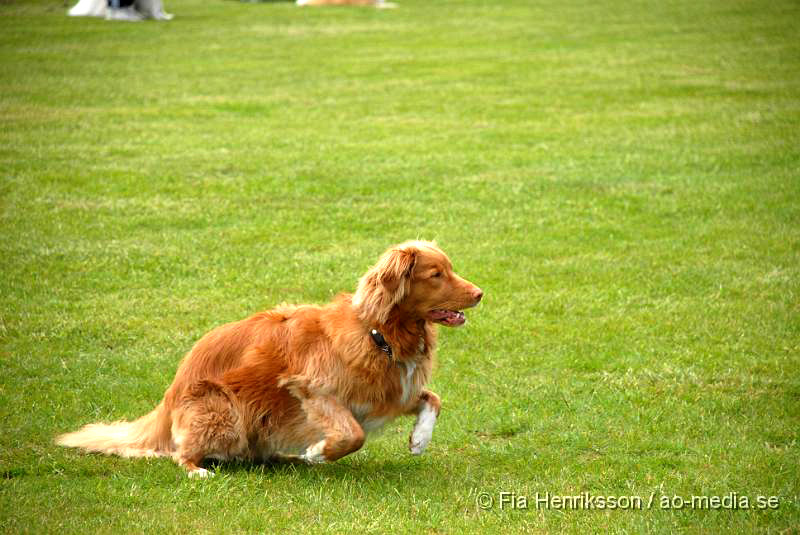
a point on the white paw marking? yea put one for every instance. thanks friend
(423, 430)
(313, 454)
(201, 473)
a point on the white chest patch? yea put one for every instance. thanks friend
(408, 380)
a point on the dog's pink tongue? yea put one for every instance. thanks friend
(451, 318)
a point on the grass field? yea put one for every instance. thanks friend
(621, 178)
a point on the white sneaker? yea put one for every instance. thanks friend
(124, 13)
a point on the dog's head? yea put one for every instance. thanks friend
(418, 279)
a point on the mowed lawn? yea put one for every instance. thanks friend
(621, 178)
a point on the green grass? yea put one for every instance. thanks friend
(621, 178)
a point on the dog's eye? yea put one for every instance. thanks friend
(437, 275)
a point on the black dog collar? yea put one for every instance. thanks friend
(380, 341)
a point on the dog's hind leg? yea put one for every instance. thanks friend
(341, 433)
(207, 424)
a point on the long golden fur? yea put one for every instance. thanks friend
(305, 383)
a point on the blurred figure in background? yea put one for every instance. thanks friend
(128, 10)
(122, 10)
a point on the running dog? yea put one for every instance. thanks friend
(305, 383)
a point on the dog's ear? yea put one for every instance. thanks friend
(385, 284)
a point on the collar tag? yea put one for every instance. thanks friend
(380, 341)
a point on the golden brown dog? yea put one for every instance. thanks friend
(306, 382)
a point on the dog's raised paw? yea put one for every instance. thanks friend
(417, 448)
(423, 430)
(418, 441)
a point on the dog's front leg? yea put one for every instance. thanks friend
(427, 410)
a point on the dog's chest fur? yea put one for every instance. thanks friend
(404, 382)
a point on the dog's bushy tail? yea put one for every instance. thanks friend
(149, 436)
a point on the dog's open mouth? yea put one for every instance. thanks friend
(451, 318)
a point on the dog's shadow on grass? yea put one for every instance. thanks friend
(357, 469)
